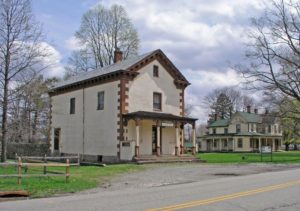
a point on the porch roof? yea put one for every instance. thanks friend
(158, 116)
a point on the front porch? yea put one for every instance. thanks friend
(151, 133)
(237, 143)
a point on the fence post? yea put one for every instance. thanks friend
(45, 161)
(19, 171)
(16, 160)
(67, 170)
(78, 160)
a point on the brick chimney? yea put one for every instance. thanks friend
(255, 111)
(118, 55)
(216, 117)
(249, 109)
(267, 111)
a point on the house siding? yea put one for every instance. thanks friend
(142, 87)
(96, 133)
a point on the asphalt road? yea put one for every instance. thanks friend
(279, 190)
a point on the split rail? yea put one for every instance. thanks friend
(31, 162)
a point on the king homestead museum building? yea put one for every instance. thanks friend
(130, 109)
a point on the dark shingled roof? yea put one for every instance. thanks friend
(248, 117)
(251, 117)
(220, 123)
(123, 65)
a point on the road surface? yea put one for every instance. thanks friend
(269, 191)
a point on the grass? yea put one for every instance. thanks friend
(278, 157)
(84, 177)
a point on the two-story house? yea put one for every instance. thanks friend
(131, 108)
(243, 132)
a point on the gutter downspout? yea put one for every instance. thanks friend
(83, 122)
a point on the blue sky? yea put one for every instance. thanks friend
(60, 20)
(204, 39)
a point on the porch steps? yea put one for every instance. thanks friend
(147, 159)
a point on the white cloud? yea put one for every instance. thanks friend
(72, 43)
(53, 61)
(204, 82)
(201, 37)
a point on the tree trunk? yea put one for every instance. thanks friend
(286, 147)
(34, 125)
(4, 122)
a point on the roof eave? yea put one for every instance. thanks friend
(103, 77)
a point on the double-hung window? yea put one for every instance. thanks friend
(100, 101)
(157, 101)
(72, 105)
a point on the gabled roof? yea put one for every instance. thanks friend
(250, 117)
(127, 65)
(220, 123)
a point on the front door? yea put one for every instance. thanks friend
(56, 139)
(208, 145)
(276, 144)
(154, 140)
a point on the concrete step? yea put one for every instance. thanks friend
(166, 159)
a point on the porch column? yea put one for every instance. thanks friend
(182, 139)
(259, 144)
(158, 138)
(194, 140)
(137, 137)
(233, 144)
(273, 144)
(177, 140)
(227, 144)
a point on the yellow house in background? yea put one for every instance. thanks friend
(243, 132)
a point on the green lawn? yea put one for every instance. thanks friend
(278, 157)
(81, 178)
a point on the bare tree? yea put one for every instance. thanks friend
(20, 52)
(273, 50)
(29, 111)
(102, 31)
(78, 62)
(202, 129)
(225, 101)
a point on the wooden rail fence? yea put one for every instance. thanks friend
(40, 162)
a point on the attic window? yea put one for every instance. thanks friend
(155, 71)
(238, 128)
